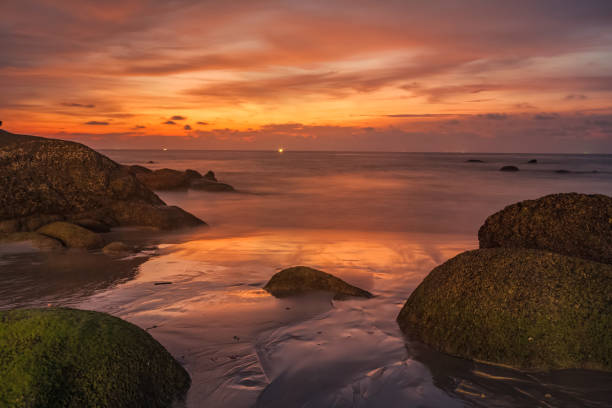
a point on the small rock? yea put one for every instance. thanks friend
(116, 248)
(509, 168)
(474, 161)
(532, 161)
(210, 175)
(302, 279)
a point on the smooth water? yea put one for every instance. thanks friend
(380, 221)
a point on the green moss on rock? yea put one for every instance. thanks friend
(302, 279)
(71, 235)
(570, 224)
(75, 358)
(526, 308)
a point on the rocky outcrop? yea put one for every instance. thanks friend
(169, 179)
(299, 280)
(520, 307)
(537, 295)
(570, 224)
(47, 180)
(75, 358)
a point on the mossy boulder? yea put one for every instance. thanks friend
(300, 280)
(75, 358)
(37, 240)
(71, 235)
(570, 224)
(526, 308)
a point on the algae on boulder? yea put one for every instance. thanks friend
(71, 235)
(302, 279)
(75, 358)
(526, 308)
(570, 224)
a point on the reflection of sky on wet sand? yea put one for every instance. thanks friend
(216, 294)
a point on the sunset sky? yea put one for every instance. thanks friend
(507, 76)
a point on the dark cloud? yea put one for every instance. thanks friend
(79, 105)
(545, 116)
(494, 116)
(169, 122)
(178, 117)
(575, 97)
(139, 127)
(96, 123)
(202, 123)
(187, 127)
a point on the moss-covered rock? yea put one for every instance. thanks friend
(570, 224)
(71, 235)
(75, 358)
(302, 279)
(521, 307)
(37, 240)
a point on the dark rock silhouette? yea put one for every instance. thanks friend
(562, 171)
(509, 168)
(302, 279)
(474, 161)
(169, 179)
(532, 161)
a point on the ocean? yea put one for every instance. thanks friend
(380, 221)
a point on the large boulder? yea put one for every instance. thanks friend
(71, 235)
(300, 280)
(526, 308)
(40, 241)
(45, 180)
(165, 217)
(570, 224)
(76, 358)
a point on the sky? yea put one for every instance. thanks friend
(411, 75)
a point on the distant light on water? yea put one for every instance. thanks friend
(164, 149)
(280, 150)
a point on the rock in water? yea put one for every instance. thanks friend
(570, 224)
(526, 308)
(302, 279)
(210, 175)
(72, 235)
(206, 184)
(55, 179)
(76, 358)
(116, 248)
(533, 161)
(509, 168)
(39, 241)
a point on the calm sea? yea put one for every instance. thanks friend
(381, 221)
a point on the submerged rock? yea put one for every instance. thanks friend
(71, 235)
(509, 168)
(532, 161)
(76, 358)
(302, 279)
(206, 184)
(474, 161)
(45, 180)
(570, 224)
(526, 308)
